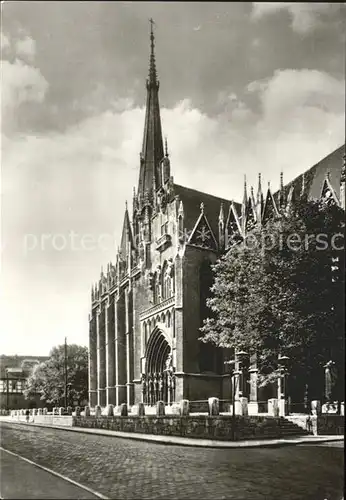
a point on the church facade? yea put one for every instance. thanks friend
(148, 306)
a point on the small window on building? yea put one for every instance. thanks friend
(2, 386)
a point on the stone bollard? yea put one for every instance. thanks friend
(69, 410)
(342, 408)
(45, 411)
(23, 412)
(78, 410)
(87, 411)
(273, 407)
(110, 411)
(184, 409)
(316, 408)
(55, 410)
(160, 408)
(141, 410)
(40, 411)
(123, 410)
(34, 412)
(98, 411)
(213, 405)
(61, 411)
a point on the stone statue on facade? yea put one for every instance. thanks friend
(160, 383)
(144, 388)
(151, 389)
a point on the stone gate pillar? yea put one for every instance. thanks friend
(253, 393)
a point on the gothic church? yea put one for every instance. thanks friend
(148, 307)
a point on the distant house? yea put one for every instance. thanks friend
(14, 372)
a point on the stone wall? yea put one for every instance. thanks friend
(331, 425)
(194, 426)
(66, 421)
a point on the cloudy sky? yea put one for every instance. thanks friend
(245, 88)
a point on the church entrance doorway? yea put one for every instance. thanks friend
(158, 381)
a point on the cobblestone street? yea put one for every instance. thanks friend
(129, 469)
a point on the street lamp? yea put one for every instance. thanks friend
(7, 389)
(68, 387)
(241, 355)
(282, 368)
(231, 364)
(329, 368)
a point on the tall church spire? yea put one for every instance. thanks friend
(152, 149)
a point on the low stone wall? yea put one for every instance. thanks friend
(203, 406)
(65, 421)
(329, 425)
(195, 426)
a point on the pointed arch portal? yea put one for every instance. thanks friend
(158, 381)
(157, 352)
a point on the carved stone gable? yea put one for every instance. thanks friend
(202, 234)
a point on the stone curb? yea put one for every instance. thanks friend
(185, 441)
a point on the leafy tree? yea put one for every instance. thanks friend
(48, 378)
(273, 295)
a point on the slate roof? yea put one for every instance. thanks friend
(314, 177)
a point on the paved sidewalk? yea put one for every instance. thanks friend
(186, 441)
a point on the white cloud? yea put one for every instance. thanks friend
(305, 16)
(5, 42)
(79, 179)
(26, 47)
(20, 83)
